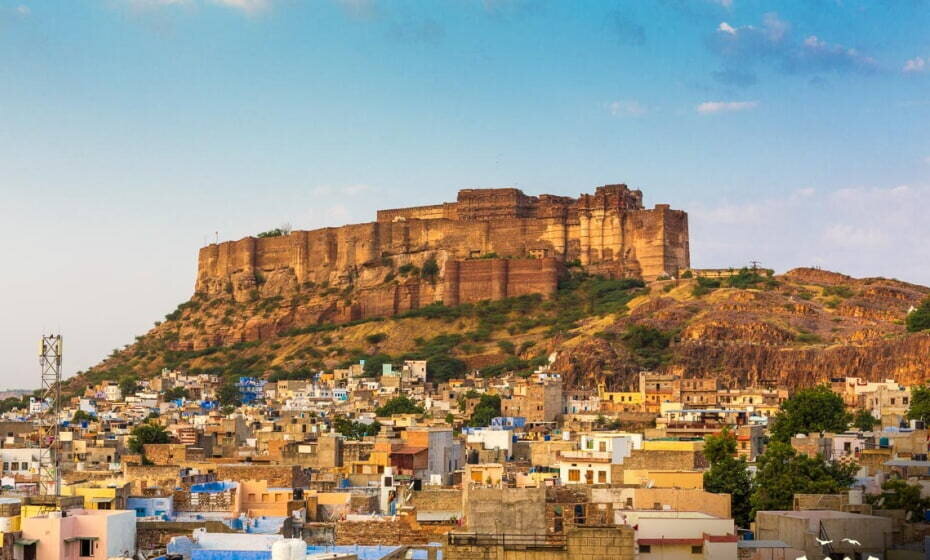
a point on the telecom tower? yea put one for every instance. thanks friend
(49, 437)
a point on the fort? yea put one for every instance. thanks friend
(489, 244)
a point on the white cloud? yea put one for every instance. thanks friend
(23, 10)
(725, 3)
(744, 48)
(711, 107)
(858, 231)
(916, 64)
(626, 108)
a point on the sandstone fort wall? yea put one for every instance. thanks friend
(608, 232)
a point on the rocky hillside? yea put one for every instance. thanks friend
(798, 328)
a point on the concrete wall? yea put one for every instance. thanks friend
(121, 534)
(505, 510)
(613, 543)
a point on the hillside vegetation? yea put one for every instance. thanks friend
(798, 328)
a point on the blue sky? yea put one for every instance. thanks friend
(132, 131)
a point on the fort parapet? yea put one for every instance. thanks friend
(489, 244)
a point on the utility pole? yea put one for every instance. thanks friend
(49, 422)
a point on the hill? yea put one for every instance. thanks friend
(800, 328)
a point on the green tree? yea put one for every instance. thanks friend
(10, 403)
(228, 395)
(729, 474)
(355, 430)
(81, 416)
(648, 345)
(430, 270)
(373, 364)
(863, 420)
(147, 433)
(782, 472)
(128, 386)
(376, 338)
(919, 319)
(817, 409)
(898, 494)
(399, 405)
(920, 403)
(488, 407)
(442, 368)
(175, 393)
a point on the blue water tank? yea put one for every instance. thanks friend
(883, 442)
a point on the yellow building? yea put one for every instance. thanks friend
(625, 401)
(98, 495)
(655, 478)
(673, 445)
(489, 474)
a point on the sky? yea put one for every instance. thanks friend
(133, 132)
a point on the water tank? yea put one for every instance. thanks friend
(280, 550)
(855, 497)
(298, 549)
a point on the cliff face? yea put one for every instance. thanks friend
(813, 326)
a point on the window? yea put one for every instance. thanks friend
(87, 548)
(602, 477)
(645, 549)
(574, 475)
(697, 549)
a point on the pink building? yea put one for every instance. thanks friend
(79, 534)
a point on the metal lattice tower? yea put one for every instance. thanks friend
(49, 436)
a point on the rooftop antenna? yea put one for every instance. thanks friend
(49, 431)
(755, 265)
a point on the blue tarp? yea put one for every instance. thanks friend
(211, 487)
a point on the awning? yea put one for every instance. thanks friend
(73, 539)
(25, 542)
(102, 500)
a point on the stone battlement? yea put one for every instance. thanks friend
(608, 232)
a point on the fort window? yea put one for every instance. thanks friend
(574, 475)
(645, 549)
(697, 549)
(538, 253)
